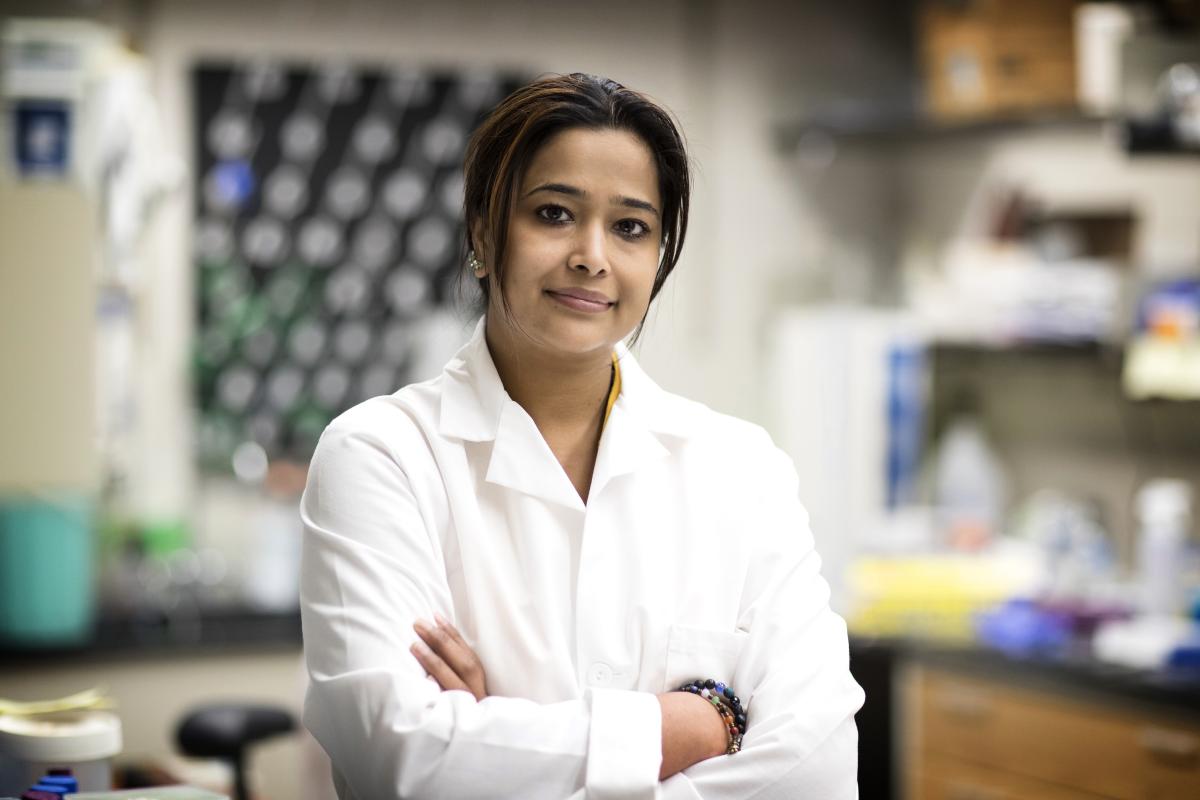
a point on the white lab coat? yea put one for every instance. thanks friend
(691, 559)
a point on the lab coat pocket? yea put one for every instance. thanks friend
(702, 653)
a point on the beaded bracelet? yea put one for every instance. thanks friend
(728, 705)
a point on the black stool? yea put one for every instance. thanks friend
(226, 731)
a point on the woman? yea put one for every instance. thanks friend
(510, 569)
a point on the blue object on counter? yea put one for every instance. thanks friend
(55, 783)
(1186, 655)
(46, 582)
(1020, 627)
(1184, 658)
(67, 781)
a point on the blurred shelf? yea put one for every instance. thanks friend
(132, 638)
(877, 131)
(1093, 357)
(1088, 349)
(1105, 357)
(1138, 138)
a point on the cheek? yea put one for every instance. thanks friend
(529, 254)
(640, 283)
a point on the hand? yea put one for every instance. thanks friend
(447, 657)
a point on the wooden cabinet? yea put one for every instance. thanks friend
(971, 738)
(944, 778)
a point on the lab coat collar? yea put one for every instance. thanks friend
(476, 407)
(473, 396)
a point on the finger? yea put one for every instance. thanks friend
(438, 669)
(460, 656)
(453, 631)
(456, 653)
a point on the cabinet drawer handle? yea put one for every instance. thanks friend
(964, 703)
(1171, 746)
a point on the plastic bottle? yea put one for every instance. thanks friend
(1164, 510)
(970, 485)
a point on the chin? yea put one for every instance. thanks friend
(577, 336)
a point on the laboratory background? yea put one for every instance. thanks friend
(947, 252)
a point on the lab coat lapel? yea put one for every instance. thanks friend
(522, 460)
(475, 407)
(625, 445)
(631, 436)
(473, 396)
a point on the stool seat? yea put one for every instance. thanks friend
(225, 731)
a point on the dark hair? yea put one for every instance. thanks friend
(506, 141)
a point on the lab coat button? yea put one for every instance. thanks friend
(599, 674)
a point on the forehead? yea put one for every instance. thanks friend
(605, 161)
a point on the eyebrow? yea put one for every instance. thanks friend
(575, 191)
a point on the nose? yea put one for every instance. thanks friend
(589, 251)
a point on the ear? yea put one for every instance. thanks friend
(480, 243)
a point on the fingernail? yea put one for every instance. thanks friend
(441, 620)
(420, 647)
(421, 624)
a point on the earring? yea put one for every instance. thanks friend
(475, 265)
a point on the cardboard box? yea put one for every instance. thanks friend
(997, 58)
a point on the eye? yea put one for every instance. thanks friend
(556, 215)
(632, 228)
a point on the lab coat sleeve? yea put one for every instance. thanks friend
(371, 566)
(801, 739)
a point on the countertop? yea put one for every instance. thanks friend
(145, 637)
(1067, 674)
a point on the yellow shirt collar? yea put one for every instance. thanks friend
(616, 387)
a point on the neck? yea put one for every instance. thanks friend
(561, 393)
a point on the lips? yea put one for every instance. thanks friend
(581, 300)
(583, 294)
